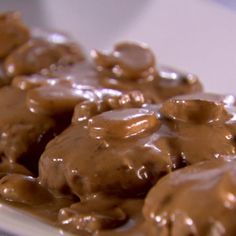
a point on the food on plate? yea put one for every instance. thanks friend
(111, 143)
(196, 200)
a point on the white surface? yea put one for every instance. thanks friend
(195, 35)
(16, 223)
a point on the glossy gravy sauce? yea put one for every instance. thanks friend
(112, 144)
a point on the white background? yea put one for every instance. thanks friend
(198, 36)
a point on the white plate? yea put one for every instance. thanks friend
(14, 222)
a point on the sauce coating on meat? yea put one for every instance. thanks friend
(114, 144)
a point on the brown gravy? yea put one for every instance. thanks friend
(106, 145)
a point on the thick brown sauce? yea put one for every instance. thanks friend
(48, 213)
(82, 148)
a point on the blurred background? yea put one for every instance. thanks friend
(198, 36)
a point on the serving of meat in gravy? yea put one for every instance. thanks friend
(111, 143)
